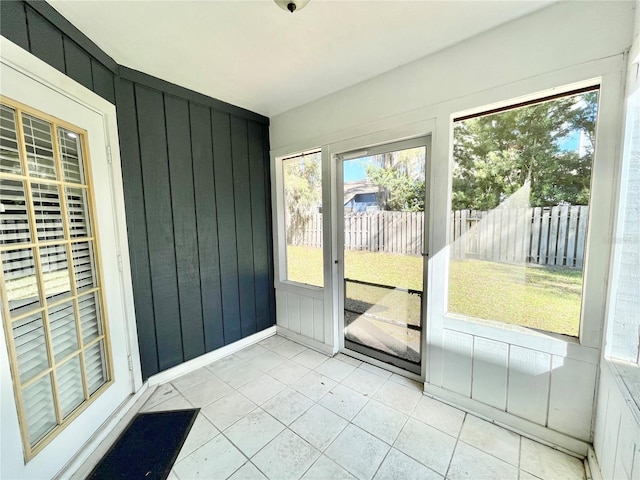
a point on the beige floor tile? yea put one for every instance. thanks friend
(310, 358)
(286, 457)
(313, 385)
(248, 472)
(208, 392)
(492, 439)
(335, 369)
(427, 445)
(216, 459)
(439, 415)
(343, 401)
(289, 372)
(254, 431)
(549, 464)
(327, 469)
(287, 405)
(473, 464)
(192, 379)
(401, 397)
(262, 389)
(380, 420)
(358, 452)
(201, 432)
(267, 361)
(228, 410)
(319, 426)
(364, 382)
(289, 349)
(397, 466)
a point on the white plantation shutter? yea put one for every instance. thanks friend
(60, 342)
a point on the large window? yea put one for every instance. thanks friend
(520, 210)
(303, 218)
(51, 291)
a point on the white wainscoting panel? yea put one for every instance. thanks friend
(617, 430)
(301, 311)
(456, 362)
(490, 372)
(529, 375)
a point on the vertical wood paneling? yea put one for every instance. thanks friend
(259, 221)
(318, 320)
(490, 361)
(244, 228)
(13, 23)
(184, 225)
(571, 397)
(528, 391)
(102, 80)
(155, 178)
(137, 227)
(45, 40)
(207, 231)
(78, 63)
(281, 305)
(457, 366)
(267, 187)
(223, 173)
(306, 316)
(293, 312)
(184, 235)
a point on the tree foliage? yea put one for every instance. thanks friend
(400, 176)
(495, 154)
(302, 192)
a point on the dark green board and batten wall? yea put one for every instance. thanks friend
(197, 195)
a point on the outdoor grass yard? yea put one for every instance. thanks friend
(546, 298)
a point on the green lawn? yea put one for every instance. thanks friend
(547, 298)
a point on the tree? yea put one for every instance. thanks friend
(495, 154)
(302, 192)
(400, 176)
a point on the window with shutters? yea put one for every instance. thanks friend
(53, 307)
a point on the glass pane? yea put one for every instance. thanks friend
(71, 155)
(69, 378)
(9, 157)
(383, 265)
(83, 265)
(31, 350)
(55, 272)
(63, 330)
(303, 218)
(521, 187)
(46, 202)
(20, 279)
(94, 360)
(14, 217)
(39, 409)
(78, 212)
(39, 142)
(89, 317)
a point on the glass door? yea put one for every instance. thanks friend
(382, 196)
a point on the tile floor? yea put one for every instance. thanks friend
(281, 411)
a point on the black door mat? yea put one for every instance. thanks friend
(148, 447)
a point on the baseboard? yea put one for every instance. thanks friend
(592, 466)
(526, 428)
(207, 358)
(306, 341)
(90, 454)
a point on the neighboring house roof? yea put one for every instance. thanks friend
(351, 189)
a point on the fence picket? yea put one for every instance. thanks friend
(544, 236)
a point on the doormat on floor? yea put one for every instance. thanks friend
(148, 447)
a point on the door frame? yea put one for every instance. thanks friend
(53, 457)
(382, 142)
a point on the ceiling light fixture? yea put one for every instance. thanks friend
(292, 5)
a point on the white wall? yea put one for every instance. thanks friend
(617, 419)
(567, 43)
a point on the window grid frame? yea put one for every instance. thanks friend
(43, 310)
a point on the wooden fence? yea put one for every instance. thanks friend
(544, 236)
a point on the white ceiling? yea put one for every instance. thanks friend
(253, 54)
